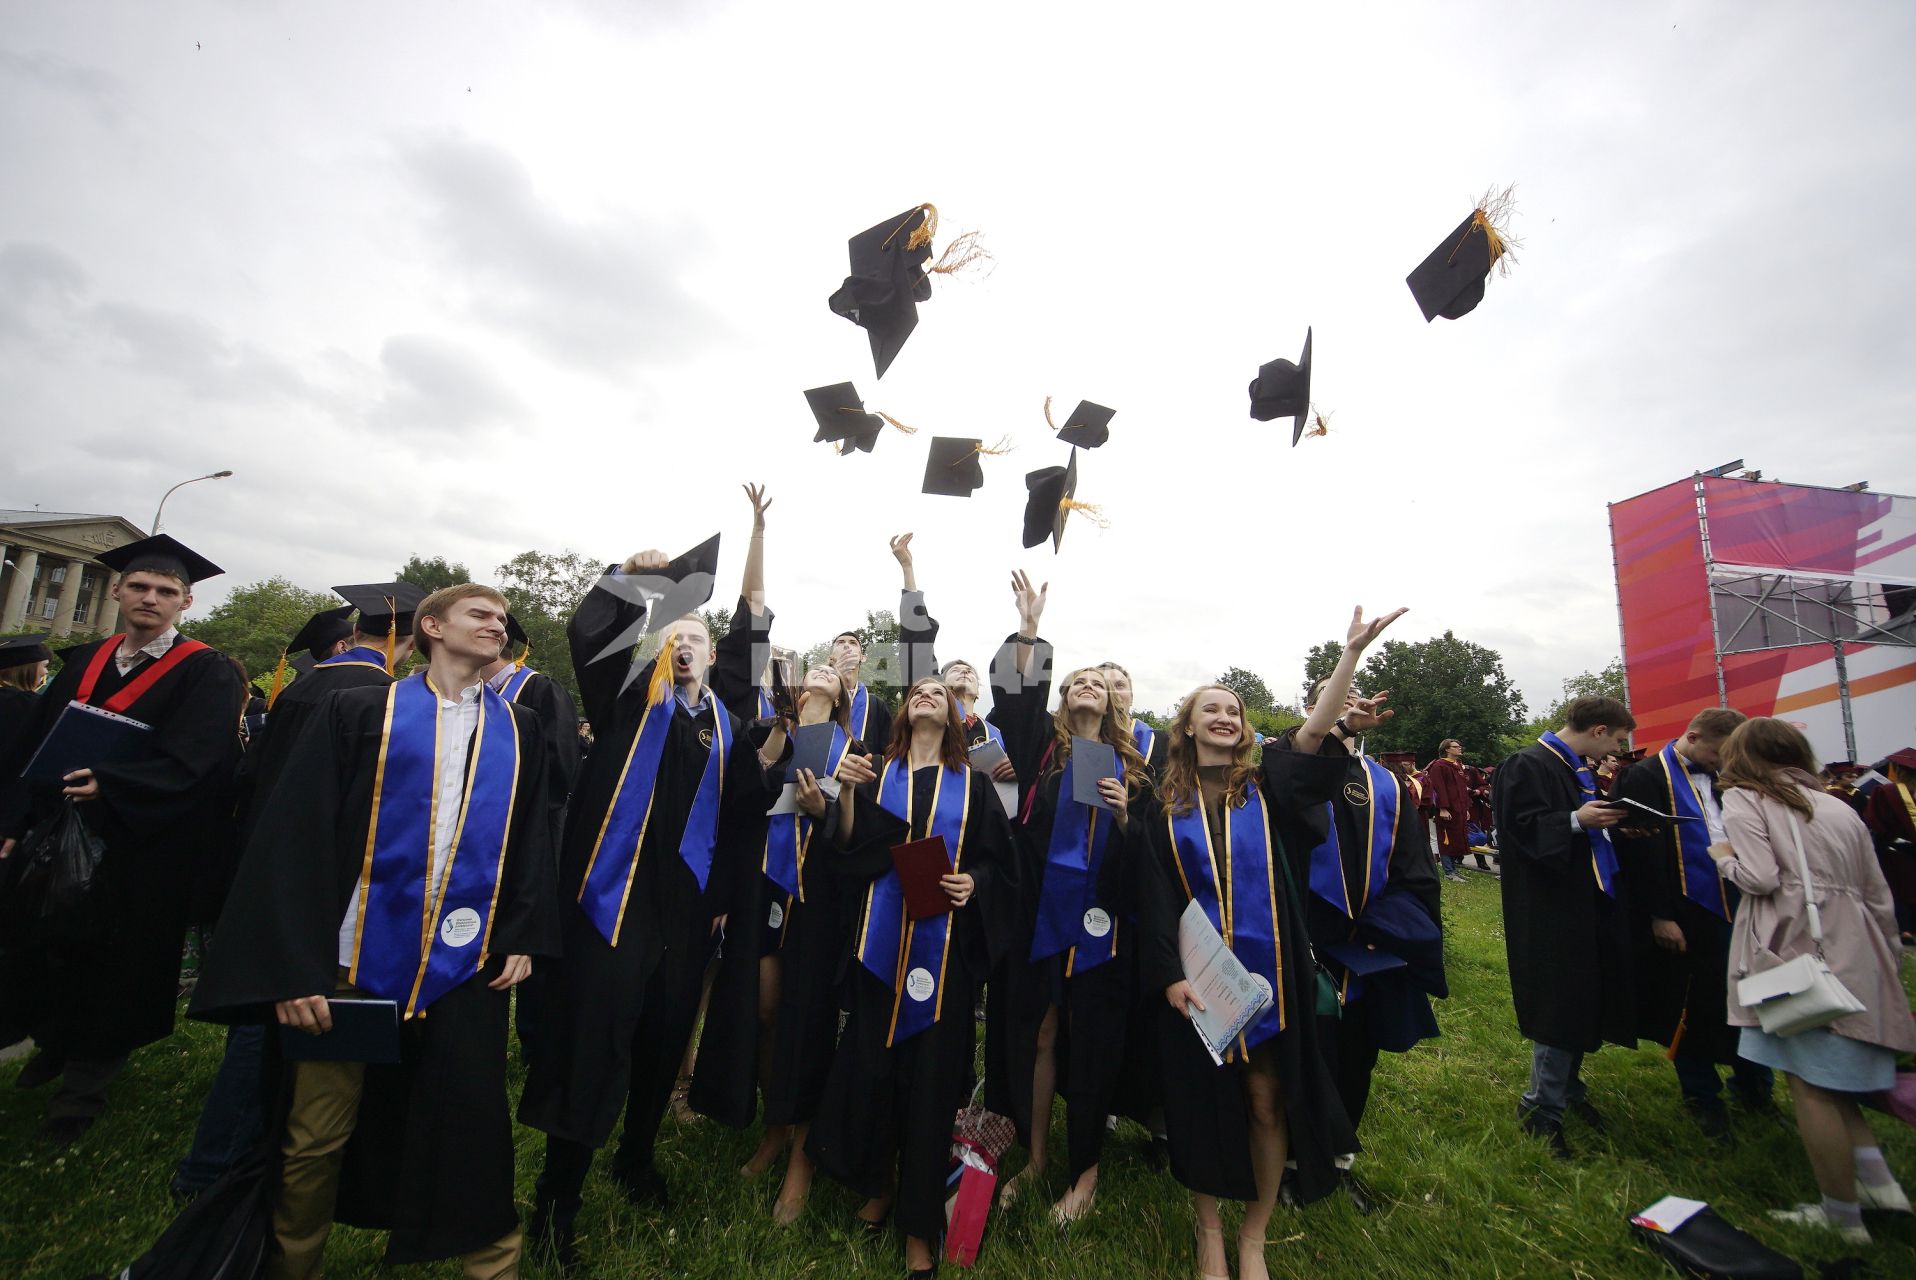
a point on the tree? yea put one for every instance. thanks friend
(1318, 664)
(1249, 688)
(430, 575)
(1607, 683)
(255, 622)
(552, 584)
(1444, 688)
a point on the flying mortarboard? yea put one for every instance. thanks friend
(889, 279)
(1050, 496)
(952, 468)
(1088, 426)
(21, 651)
(844, 420)
(1283, 390)
(384, 606)
(160, 553)
(680, 588)
(1450, 282)
(322, 631)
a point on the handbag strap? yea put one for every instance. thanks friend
(1809, 896)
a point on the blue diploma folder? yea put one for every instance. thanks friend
(86, 737)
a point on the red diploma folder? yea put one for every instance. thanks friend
(920, 863)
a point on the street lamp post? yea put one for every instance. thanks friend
(217, 475)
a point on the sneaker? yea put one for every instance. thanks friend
(1550, 1131)
(1453, 877)
(1890, 1197)
(1812, 1215)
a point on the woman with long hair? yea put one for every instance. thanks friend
(1773, 804)
(1222, 840)
(1060, 1005)
(903, 1064)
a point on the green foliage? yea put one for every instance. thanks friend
(430, 575)
(543, 590)
(1249, 687)
(1318, 664)
(1271, 721)
(1443, 688)
(255, 622)
(1607, 683)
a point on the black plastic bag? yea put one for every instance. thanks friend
(61, 858)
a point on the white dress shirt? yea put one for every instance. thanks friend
(154, 648)
(458, 721)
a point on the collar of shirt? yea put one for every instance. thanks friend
(691, 708)
(467, 696)
(154, 648)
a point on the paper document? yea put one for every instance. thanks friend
(1669, 1213)
(987, 756)
(1638, 811)
(787, 801)
(1232, 994)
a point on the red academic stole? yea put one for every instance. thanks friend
(134, 689)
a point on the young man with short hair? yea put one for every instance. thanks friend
(1449, 792)
(402, 858)
(1681, 909)
(90, 1001)
(1565, 929)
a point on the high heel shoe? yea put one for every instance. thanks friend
(1205, 1235)
(1257, 1243)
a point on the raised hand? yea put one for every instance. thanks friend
(1362, 633)
(760, 504)
(645, 562)
(1364, 714)
(901, 549)
(1030, 602)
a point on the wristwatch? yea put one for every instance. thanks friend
(1344, 729)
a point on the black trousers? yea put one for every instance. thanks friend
(667, 1012)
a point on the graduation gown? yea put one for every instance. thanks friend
(1447, 790)
(558, 719)
(586, 1007)
(810, 938)
(272, 745)
(431, 1155)
(1687, 989)
(1206, 1116)
(109, 984)
(1094, 1005)
(889, 1109)
(1387, 1011)
(1566, 940)
(16, 713)
(1890, 814)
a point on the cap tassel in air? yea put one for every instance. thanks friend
(1492, 217)
(525, 656)
(279, 679)
(392, 632)
(1087, 510)
(661, 686)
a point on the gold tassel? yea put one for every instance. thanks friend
(960, 253)
(922, 233)
(661, 687)
(999, 449)
(1320, 424)
(392, 631)
(1049, 421)
(279, 678)
(1492, 217)
(910, 431)
(524, 658)
(1088, 510)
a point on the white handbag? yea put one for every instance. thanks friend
(1800, 994)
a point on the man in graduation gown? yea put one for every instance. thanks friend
(1372, 901)
(419, 800)
(1681, 909)
(344, 655)
(105, 983)
(670, 786)
(1566, 932)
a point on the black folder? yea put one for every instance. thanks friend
(86, 737)
(363, 1031)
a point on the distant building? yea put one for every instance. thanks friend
(51, 579)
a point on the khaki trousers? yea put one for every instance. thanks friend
(312, 1150)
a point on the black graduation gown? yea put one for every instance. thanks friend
(1095, 1005)
(1205, 1113)
(558, 717)
(16, 714)
(890, 1110)
(267, 753)
(1390, 1011)
(1567, 941)
(586, 1007)
(110, 983)
(431, 1156)
(1688, 988)
(809, 940)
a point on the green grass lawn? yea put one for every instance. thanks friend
(1467, 1193)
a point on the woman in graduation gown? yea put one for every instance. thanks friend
(1151, 744)
(1224, 829)
(903, 1065)
(1061, 1002)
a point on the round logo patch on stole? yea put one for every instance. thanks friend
(459, 927)
(776, 916)
(705, 739)
(919, 984)
(1096, 922)
(1357, 793)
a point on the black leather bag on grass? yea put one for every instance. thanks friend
(1709, 1248)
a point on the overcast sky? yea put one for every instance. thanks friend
(465, 279)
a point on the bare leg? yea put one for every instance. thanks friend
(797, 1187)
(772, 1144)
(873, 1211)
(1824, 1128)
(1044, 1086)
(917, 1254)
(1270, 1142)
(1212, 1264)
(1076, 1201)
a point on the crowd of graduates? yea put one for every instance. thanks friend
(410, 876)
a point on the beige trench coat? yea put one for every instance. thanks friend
(1860, 938)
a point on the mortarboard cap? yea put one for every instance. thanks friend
(1904, 759)
(323, 630)
(1088, 426)
(160, 553)
(21, 651)
(302, 662)
(887, 282)
(1450, 282)
(1399, 757)
(515, 634)
(1283, 390)
(952, 467)
(680, 588)
(842, 417)
(1048, 490)
(384, 606)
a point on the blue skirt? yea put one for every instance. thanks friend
(1823, 1058)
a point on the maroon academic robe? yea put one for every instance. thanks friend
(1446, 790)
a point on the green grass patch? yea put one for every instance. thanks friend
(1466, 1193)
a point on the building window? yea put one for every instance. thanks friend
(59, 575)
(49, 606)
